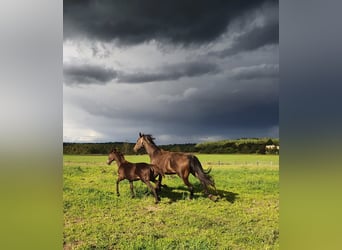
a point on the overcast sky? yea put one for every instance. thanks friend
(184, 71)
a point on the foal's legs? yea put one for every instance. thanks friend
(159, 183)
(148, 183)
(117, 186)
(131, 187)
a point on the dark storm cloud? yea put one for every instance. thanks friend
(87, 74)
(175, 21)
(171, 72)
(217, 108)
(211, 110)
(202, 93)
(256, 38)
(95, 74)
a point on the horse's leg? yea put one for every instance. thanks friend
(131, 187)
(159, 182)
(148, 183)
(206, 192)
(191, 188)
(117, 186)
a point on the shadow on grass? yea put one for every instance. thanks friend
(226, 195)
(175, 194)
(182, 192)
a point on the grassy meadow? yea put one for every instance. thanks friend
(245, 217)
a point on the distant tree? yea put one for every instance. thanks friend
(245, 145)
(269, 142)
(125, 148)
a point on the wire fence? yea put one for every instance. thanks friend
(239, 163)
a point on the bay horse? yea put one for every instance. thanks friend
(133, 172)
(178, 163)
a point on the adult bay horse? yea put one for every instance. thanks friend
(133, 172)
(178, 163)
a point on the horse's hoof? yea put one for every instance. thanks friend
(213, 197)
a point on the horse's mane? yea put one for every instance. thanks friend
(121, 155)
(150, 138)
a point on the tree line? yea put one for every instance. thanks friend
(238, 146)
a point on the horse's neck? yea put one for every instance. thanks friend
(119, 164)
(152, 149)
(119, 161)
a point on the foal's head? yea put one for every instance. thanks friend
(115, 155)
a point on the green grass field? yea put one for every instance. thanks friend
(246, 216)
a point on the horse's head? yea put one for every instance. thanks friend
(144, 140)
(111, 156)
(140, 143)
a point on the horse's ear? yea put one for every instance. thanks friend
(140, 135)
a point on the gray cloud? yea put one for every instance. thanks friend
(207, 110)
(96, 74)
(132, 22)
(87, 74)
(256, 38)
(171, 72)
(256, 72)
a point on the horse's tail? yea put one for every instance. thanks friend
(198, 171)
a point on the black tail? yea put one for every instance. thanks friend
(203, 175)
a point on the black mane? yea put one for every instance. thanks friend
(150, 138)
